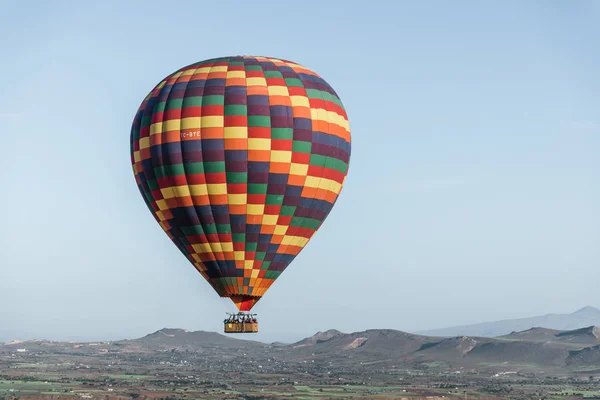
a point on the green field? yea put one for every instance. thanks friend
(575, 392)
(127, 377)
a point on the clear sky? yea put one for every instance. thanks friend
(474, 185)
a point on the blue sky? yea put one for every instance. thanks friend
(473, 192)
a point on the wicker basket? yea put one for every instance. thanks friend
(241, 327)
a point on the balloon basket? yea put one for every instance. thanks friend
(241, 322)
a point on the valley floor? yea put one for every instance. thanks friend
(187, 375)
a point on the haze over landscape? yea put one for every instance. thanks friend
(472, 193)
(377, 364)
(460, 261)
(584, 317)
(461, 258)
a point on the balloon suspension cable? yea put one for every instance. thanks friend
(241, 316)
(242, 313)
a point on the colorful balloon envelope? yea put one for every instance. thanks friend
(240, 160)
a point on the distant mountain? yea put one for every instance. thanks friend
(589, 336)
(585, 317)
(535, 334)
(470, 351)
(184, 339)
(528, 350)
(539, 347)
(367, 346)
(319, 337)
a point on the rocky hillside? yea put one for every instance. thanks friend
(531, 348)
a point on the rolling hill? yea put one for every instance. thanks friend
(585, 317)
(183, 339)
(374, 345)
(589, 336)
(531, 349)
(584, 357)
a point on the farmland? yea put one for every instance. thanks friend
(177, 364)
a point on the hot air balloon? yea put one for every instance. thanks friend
(240, 160)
